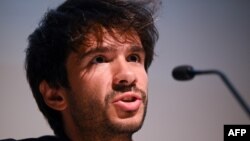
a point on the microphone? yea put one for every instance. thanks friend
(186, 72)
(183, 73)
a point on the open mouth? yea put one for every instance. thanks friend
(128, 102)
(129, 99)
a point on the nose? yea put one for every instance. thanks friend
(124, 74)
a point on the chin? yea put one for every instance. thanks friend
(128, 124)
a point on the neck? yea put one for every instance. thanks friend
(94, 134)
(101, 138)
(97, 136)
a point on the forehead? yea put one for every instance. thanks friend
(110, 38)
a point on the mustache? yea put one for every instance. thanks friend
(123, 89)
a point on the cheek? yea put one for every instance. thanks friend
(89, 94)
(142, 78)
(96, 83)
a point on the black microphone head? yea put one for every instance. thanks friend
(183, 73)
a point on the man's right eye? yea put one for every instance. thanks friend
(99, 59)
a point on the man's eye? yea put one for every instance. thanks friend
(133, 58)
(99, 59)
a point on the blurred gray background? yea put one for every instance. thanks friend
(207, 34)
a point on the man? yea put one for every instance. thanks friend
(87, 67)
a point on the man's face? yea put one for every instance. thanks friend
(108, 86)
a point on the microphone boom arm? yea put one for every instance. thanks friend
(229, 85)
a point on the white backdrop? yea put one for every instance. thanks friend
(204, 33)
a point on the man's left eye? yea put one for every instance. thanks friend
(133, 58)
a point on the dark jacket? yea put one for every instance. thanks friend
(43, 138)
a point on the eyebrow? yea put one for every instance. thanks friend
(108, 49)
(136, 49)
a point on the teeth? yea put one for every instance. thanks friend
(128, 99)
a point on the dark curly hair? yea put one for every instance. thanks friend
(64, 29)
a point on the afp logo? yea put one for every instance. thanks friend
(236, 132)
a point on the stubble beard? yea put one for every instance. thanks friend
(121, 128)
(94, 119)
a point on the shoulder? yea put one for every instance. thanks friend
(43, 138)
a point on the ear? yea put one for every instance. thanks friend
(54, 97)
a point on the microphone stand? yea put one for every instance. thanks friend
(228, 84)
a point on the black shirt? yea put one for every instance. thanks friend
(43, 138)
